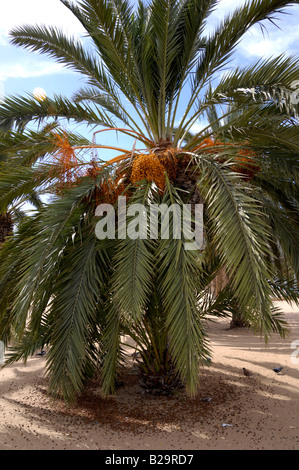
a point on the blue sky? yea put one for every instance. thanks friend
(22, 72)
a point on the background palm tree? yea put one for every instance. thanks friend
(6, 223)
(15, 213)
(62, 287)
(284, 275)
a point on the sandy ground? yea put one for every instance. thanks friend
(262, 411)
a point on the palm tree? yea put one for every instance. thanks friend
(6, 224)
(151, 72)
(14, 213)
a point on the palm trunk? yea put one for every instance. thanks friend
(238, 321)
(156, 368)
(217, 285)
(6, 226)
(219, 282)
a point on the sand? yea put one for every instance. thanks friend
(231, 411)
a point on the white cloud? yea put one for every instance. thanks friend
(226, 6)
(272, 44)
(197, 128)
(31, 69)
(221, 11)
(19, 12)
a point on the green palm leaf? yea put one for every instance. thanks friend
(241, 234)
(178, 277)
(133, 263)
(19, 111)
(73, 312)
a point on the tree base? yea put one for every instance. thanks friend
(238, 322)
(159, 382)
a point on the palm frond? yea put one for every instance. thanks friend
(264, 81)
(17, 186)
(224, 40)
(133, 262)
(241, 233)
(73, 314)
(112, 349)
(67, 51)
(41, 252)
(178, 279)
(19, 111)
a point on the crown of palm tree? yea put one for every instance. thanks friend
(150, 73)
